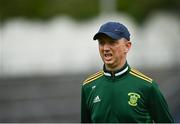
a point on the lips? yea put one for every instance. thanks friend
(107, 56)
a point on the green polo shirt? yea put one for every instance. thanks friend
(122, 96)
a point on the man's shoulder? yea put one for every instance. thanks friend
(93, 77)
(140, 76)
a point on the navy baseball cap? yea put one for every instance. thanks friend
(114, 30)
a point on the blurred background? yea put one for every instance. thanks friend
(46, 51)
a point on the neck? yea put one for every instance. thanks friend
(117, 73)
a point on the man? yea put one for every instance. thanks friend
(120, 93)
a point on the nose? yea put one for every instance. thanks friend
(106, 47)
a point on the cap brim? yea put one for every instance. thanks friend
(109, 34)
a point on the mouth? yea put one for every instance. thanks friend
(107, 56)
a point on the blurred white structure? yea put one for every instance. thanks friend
(64, 46)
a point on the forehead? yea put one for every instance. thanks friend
(104, 37)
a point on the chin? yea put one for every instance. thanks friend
(109, 63)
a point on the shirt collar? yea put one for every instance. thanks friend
(116, 73)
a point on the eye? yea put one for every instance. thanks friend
(101, 42)
(112, 42)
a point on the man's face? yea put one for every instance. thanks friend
(113, 53)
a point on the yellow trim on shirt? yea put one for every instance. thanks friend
(140, 74)
(93, 77)
(150, 81)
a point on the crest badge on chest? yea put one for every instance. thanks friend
(133, 98)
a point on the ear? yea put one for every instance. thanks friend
(128, 46)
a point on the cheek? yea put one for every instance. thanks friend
(122, 49)
(120, 52)
(100, 51)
